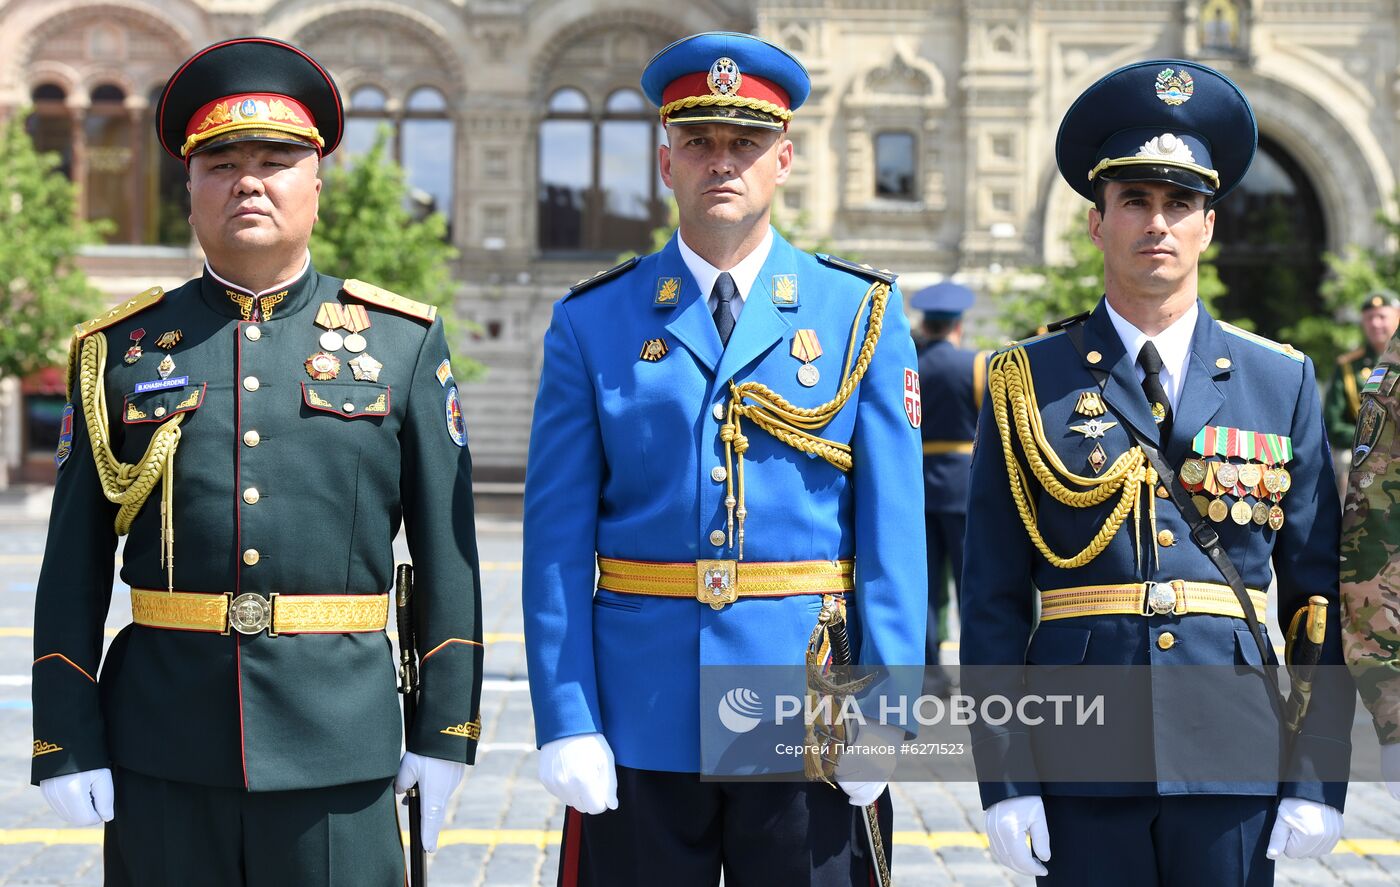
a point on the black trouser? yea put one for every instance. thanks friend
(176, 834)
(1168, 841)
(672, 829)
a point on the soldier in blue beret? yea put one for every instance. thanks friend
(720, 459)
(1146, 472)
(952, 380)
(258, 434)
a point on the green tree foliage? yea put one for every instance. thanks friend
(42, 291)
(1029, 298)
(366, 231)
(1352, 275)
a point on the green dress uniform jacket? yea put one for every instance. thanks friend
(1343, 397)
(282, 484)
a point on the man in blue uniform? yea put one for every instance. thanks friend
(726, 432)
(1118, 458)
(951, 379)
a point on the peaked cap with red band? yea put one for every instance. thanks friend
(726, 77)
(249, 89)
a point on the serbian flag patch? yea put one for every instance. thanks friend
(913, 406)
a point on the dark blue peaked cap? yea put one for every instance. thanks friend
(944, 300)
(1163, 120)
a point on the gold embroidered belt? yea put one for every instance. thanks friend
(1174, 598)
(251, 613)
(940, 447)
(724, 581)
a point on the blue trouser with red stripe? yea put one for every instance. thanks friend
(672, 829)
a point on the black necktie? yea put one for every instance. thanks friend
(1151, 363)
(724, 292)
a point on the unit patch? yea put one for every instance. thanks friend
(444, 373)
(1369, 423)
(65, 436)
(456, 424)
(785, 290)
(668, 291)
(913, 405)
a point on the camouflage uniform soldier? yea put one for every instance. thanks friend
(1370, 573)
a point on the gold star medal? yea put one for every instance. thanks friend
(806, 348)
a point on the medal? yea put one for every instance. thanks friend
(1193, 472)
(170, 339)
(134, 353)
(806, 348)
(1202, 504)
(1217, 510)
(1285, 481)
(1275, 518)
(1090, 405)
(366, 368)
(1097, 458)
(331, 340)
(355, 343)
(166, 367)
(1227, 476)
(1271, 480)
(322, 366)
(1261, 513)
(1241, 513)
(334, 316)
(652, 351)
(1250, 474)
(1094, 428)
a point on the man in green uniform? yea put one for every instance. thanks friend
(1380, 314)
(1370, 583)
(258, 434)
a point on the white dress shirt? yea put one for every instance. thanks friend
(744, 273)
(272, 289)
(1173, 344)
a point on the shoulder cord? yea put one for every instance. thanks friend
(1012, 389)
(129, 485)
(791, 424)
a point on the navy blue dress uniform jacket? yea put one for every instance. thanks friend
(621, 455)
(952, 383)
(1232, 379)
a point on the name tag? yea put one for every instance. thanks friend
(162, 384)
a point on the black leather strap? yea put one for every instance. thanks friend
(1202, 533)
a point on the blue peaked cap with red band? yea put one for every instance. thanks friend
(726, 77)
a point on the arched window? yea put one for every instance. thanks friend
(50, 125)
(167, 199)
(599, 189)
(428, 149)
(421, 140)
(110, 150)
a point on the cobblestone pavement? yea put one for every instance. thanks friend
(502, 828)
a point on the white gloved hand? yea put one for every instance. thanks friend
(863, 774)
(1007, 824)
(1390, 768)
(1304, 829)
(436, 780)
(580, 771)
(80, 798)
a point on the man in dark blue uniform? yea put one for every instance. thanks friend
(951, 380)
(1118, 458)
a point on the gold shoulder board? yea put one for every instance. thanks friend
(382, 298)
(120, 312)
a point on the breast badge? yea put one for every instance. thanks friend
(653, 350)
(322, 366)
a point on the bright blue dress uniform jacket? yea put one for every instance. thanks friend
(621, 452)
(1261, 388)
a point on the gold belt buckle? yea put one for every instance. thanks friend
(717, 583)
(250, 613)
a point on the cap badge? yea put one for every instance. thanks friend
(1167, 147)
(249, 108)
(1175, 87)
(724, 78)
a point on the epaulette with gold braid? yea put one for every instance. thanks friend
(1281, 347)
(382, 298)
(120, 312)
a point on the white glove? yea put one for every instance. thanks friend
(1304, 829)
(1007, 824)
(1390, 768)
(436, 780)
(863, 775)
(580, 771)
(80, 798)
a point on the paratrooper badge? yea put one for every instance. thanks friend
(653, 350)
(785, 290)
(1175, 88)
(1369, 423)
(668, 291)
